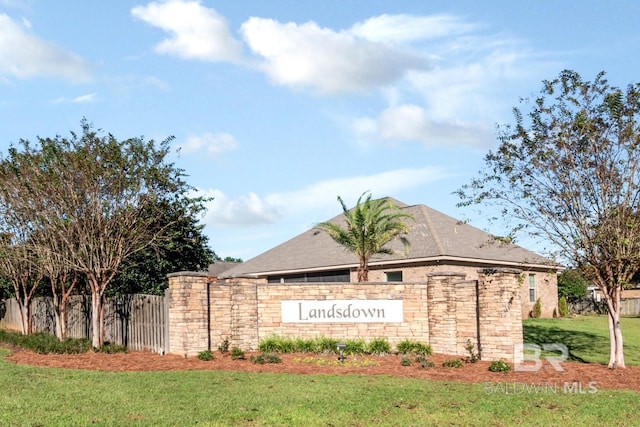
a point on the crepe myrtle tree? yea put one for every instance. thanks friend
(32, 246)
(370, 225)
(568, 171)
(100, 198)
(19, 267)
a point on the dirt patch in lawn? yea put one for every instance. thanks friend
(577, 377)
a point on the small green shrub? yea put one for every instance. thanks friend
(111, 348)
(44, 343)
(452, 363)
(237, 354)
(378, 346)
(424, 362)
(563, 310)
(499, 366)
(223, 347)
(264, 358)
(414, 347)
(536, 312)
(423, 349)
(474, 355)
(405, 361)
(427, 364)
(205, 355)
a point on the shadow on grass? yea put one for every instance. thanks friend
(576, 342)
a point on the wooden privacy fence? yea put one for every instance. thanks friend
(628, 306)
(139, 322)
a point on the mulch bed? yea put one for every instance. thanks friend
(583, 374)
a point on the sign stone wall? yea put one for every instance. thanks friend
(446, 311)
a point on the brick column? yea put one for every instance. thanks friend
(188, 329)
(244, 313)
(466, 316)
(441, 301)
(500, 312)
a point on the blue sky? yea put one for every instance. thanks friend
(280, 106)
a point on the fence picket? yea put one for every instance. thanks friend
(136, 321)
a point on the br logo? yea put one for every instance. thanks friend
(532, 356)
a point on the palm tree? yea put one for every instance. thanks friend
(370, 225)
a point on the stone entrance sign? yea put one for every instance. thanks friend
(343, 311)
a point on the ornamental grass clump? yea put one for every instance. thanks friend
(379, 346)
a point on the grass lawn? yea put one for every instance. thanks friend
(55, 397)
(587, 337)
(32, 396)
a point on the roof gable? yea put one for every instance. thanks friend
(433, 235)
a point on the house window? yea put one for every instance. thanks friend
(394, 276)
(532, 288)
(317, 276)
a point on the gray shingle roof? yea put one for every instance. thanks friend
(433, 236)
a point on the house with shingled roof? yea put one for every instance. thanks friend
(438, 244)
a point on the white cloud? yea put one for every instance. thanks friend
(316, 201)
(408, 28)
(309, 56)
(412, 123)
(156, 82)
(249, 210)
(197, 32)
(81, 99)
(89, 97)
(210, 143)
(322, 195)
(23, 56)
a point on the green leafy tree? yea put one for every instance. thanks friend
(370, 225)
(19, 266)
(185, 248)
(569, 172)
(100, 199)
(32, 245)
(572, 285)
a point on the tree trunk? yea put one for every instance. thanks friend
(24, 316)
(57, 315)
(60, 313)
(616, 349)
(63, 316)
(363, 271)
(96, 309)
(102, 322)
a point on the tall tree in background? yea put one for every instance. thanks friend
(572, 285)
(370, 225)
(185, 248)
(101, 198)
(569, 172)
